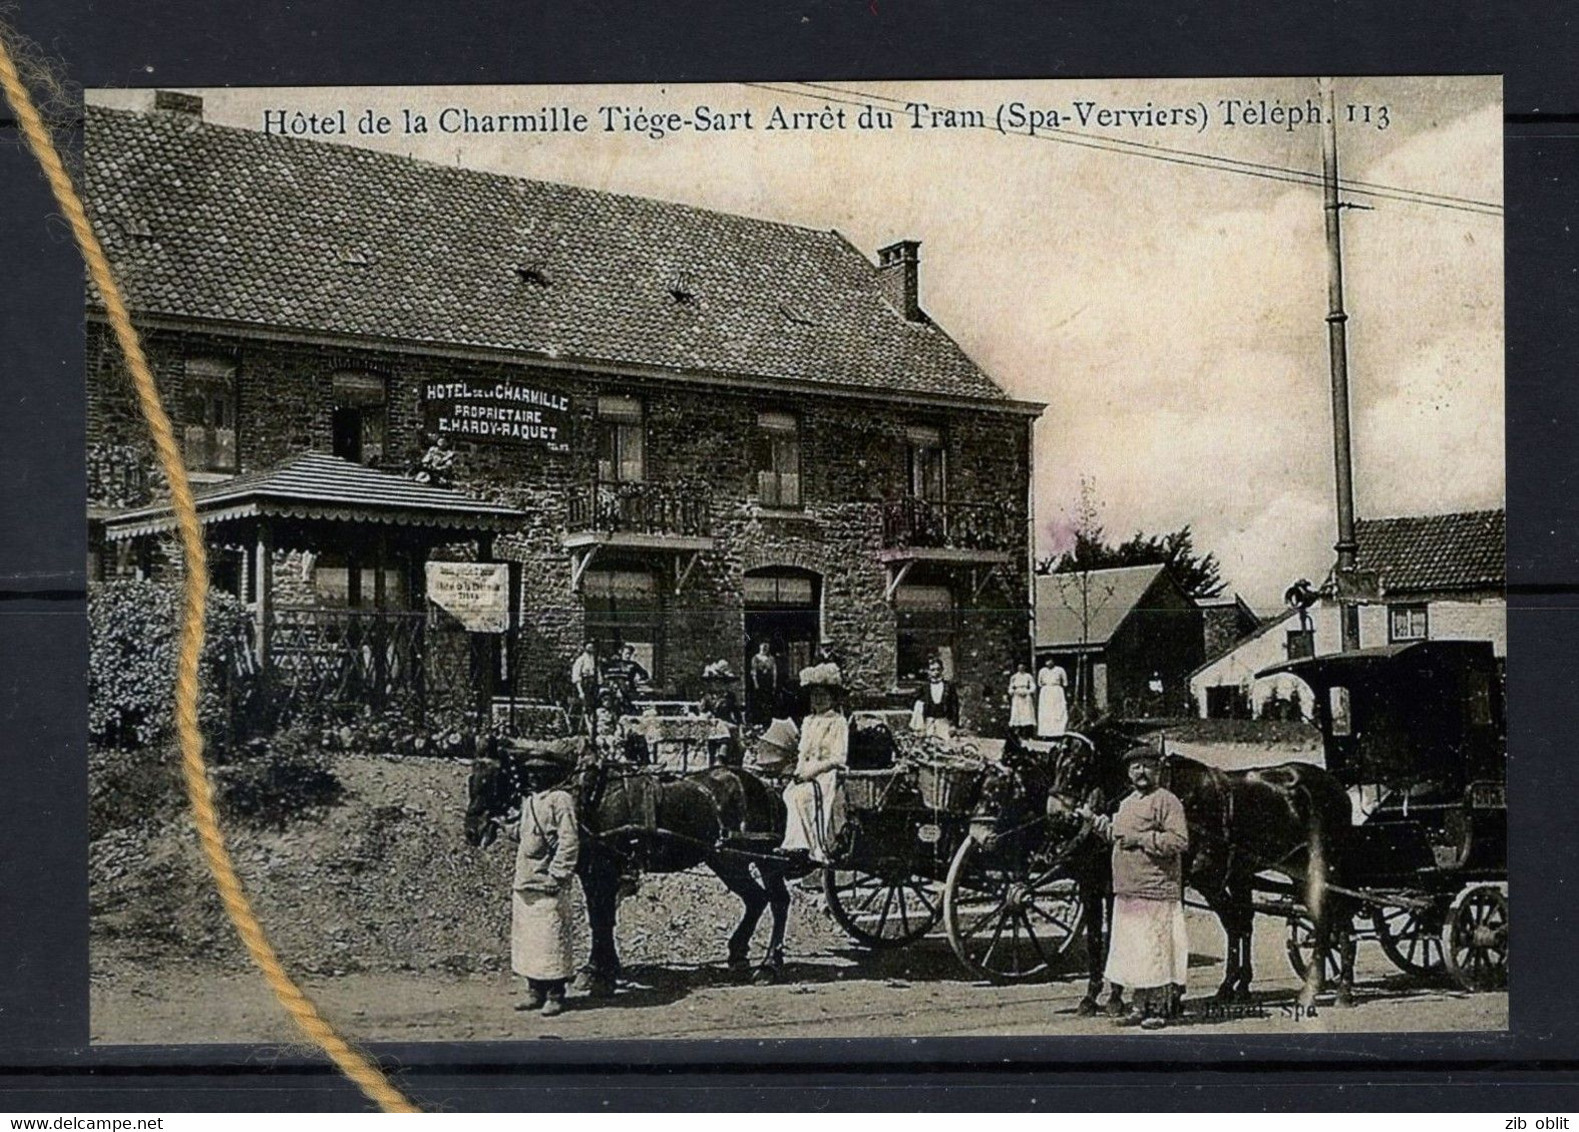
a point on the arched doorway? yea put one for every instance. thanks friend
(784, 613)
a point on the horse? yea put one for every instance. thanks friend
(1289, 818)
(638, 822)
(1014, 802)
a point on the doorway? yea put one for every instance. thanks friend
(783, 613)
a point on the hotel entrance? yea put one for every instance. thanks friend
(783, 630)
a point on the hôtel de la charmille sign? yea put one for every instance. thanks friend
(499, 412)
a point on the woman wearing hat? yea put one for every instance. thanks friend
(540, 908)
(813, 801)
(1148, 950)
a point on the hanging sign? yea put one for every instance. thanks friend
(499, 412)
(477, 594)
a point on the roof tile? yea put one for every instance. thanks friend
(252, 228)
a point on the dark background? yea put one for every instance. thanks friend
(44, 1059)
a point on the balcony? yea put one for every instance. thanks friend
(973, 529)
(666, 519)
(980, 536)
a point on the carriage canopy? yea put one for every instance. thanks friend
(1408, 714)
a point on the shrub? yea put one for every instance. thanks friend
(271, 782)
(133, 640)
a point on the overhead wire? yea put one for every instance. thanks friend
(1174, 155)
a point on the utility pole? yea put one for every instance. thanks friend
(1338, 348)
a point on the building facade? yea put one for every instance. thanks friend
(1127, 637)
(718, 432)
(1427, 577)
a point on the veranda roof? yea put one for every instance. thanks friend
(315, 486)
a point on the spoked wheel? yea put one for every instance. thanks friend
(1475, 937)
(1411, 938)
(1004, 923)
(881, 910)
(1302, 943)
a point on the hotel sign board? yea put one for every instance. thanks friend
(477, 594)
(497, 412)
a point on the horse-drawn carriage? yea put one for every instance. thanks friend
(997, 850)
(1416, 732)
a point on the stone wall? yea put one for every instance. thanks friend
(853, 456)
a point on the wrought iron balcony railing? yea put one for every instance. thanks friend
(925, 524)
(640, 508)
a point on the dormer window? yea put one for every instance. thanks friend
(682, 288)
(794, 314)
(533, 274)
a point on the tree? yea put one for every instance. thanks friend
(1199, 575)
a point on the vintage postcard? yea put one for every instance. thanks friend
(786, 560)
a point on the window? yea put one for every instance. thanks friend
(1301, 643)
(622, 440)
(1407, 623)
(777, 460)
(208, 415)
(926, 621)
(622, 608)
(926, 463)
(361, 416)
(781, 590)
(1340, 712)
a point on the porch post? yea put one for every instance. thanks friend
(380, 564)
(263, 573)
(485, 646)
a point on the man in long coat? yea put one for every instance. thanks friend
(540, 906)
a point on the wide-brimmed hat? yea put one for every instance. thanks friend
(782, 735)
(824, 675)
(718, 670)
(1142, 751)
(552, 754)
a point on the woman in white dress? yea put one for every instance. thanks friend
(813, 802)
(1052, 707)
(1022, 701)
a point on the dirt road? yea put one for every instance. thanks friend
(834, 993)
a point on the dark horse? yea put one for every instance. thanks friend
(724, 818)
(1289, 819)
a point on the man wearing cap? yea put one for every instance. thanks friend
(540, 907)
(1148, 950)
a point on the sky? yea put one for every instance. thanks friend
(1171, 317)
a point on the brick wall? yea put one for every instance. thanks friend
(853, 456)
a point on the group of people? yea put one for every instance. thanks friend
(1148, 950)
(1039, 705)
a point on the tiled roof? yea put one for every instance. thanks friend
(216, 223)
(1087, 608)
(1431, 553)
(313, 484)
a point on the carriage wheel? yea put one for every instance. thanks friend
(881, 910)
(1006, 924)
(1302, 943)
(1412, 939)
(1475, 937)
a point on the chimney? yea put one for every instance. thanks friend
(897, 274)
(176, 102)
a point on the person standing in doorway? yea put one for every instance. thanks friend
(762, 688)
(1052, 705)
(540, 906)
(1022, 701)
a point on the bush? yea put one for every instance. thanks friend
(133, 639)
(271, 782)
